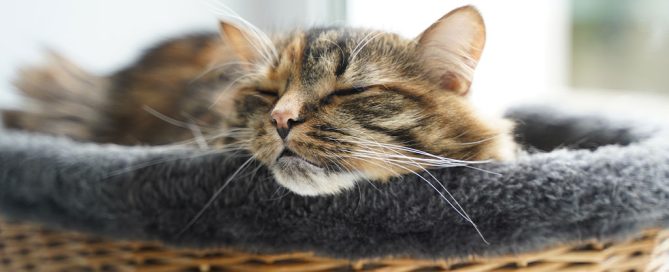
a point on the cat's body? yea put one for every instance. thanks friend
(323, 108)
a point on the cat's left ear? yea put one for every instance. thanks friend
(452, 46)
(238, 41)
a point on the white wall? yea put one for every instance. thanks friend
(524, 57)
(103, 35)
(526, 48)
(100, 35)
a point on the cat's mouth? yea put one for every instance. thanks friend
(288, 158)
(308, 178)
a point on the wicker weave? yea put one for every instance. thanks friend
(25, 247)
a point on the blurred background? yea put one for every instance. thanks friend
(596, 55)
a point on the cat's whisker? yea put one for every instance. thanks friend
(197, 134)
(214, 197)
(407, 161)
(272, 198)
(463, 212)
(335, 158)
(237, 146)
(458, 209)
(334, 163)
(416, 151)
(165, 118)
(374, 163)
(226, 133)
(446, 162)
(217, 67)
(482, 140)
(482, 170)
(259, 40)
(251, 175)
(447, 192)
(229, 15)
(380, 165)
(162, 160)
(433, 162)
(338, 161)
(438, 163)
(232, 147)
(203, 142)
(341, 50)
(362, 44)
(355, 49)
(198, 137)
(418, 175)
(365, 159)
(228, 86)
(350, 169)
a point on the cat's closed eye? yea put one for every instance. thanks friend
(349, 91)
(267, 92)
(343, 92)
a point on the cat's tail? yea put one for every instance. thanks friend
(59, 98)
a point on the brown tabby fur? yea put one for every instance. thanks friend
(348, 98)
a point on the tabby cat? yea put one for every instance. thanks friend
(323, 108)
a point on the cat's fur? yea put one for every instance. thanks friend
(352, 104)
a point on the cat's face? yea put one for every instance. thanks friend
(334, 106)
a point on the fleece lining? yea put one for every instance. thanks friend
(584, 177)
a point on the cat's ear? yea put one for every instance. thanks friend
(452, 46)
(238, 41)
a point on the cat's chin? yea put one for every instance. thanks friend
(304, 178)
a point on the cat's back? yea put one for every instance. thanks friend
(174, 79)
(171, 79)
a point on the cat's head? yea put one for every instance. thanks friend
(329, 107)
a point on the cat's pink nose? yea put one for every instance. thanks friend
(284, 118)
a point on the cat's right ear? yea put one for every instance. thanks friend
(238, 41)
(451, 48)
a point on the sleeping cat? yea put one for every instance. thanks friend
(322, 108)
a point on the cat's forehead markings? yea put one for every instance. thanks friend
(325, 54)
(289, 65)
(317, 61)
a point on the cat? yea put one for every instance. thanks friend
(322, 108)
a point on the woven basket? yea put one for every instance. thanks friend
(26, 247)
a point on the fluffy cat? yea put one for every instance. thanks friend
(323, 108)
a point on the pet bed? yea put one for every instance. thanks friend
(591, 194)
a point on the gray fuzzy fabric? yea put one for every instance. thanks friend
(609, 179)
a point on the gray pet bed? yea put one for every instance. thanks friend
(602, 179)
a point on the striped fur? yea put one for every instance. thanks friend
(366, 102)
